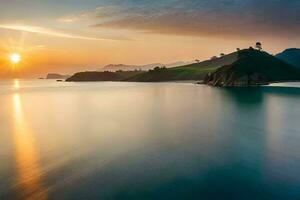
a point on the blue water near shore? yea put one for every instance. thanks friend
(148, 141)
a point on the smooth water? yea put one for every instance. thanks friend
(148, 141)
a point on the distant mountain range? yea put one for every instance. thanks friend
(245, 67)
(117, 67)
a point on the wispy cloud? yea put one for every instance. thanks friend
(68, 19)
(46, 31)
(101, 12)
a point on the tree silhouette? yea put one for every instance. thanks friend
(258, 45)
(156, 68)
(222, 54)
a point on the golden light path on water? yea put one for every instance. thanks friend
(29, 174)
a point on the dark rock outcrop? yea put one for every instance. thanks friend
(253, 68)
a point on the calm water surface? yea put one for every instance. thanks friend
(148, 141)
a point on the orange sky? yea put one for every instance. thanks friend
(69, 41)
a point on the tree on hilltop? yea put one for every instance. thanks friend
(258, 46)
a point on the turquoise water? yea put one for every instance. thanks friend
(148, 141)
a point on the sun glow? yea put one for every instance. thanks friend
(15, 58)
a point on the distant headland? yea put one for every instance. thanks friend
(56, 76)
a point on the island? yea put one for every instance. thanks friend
(56, 76)
(244, 67)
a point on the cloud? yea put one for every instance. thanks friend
(68, 19)
(213, 18)
(46, 31)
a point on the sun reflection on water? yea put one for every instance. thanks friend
(29, 173)
(16, 85)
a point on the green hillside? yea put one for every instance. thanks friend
(180, 73)
(196, 71)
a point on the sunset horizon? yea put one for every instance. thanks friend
(77, 36)
(149, 99)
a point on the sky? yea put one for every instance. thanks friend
(66, 36)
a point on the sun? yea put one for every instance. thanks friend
(15, 58)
